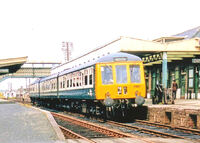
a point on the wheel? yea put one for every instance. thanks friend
(110, 112)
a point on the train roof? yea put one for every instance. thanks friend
(109, 58)
(77, 68)
(49, 77)
(119, 57)
(115, 57)
(36, 81)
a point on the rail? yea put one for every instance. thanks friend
(98, 128)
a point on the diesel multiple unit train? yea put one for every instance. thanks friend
(108, 87)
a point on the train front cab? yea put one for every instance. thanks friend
(120, 82)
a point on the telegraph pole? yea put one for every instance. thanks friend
(67, 50)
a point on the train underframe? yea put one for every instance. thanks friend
(118, 110)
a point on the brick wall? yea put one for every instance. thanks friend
(178, 117)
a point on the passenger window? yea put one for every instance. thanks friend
(52, 86)
(64, 81)
(74, 80)
(86, 80)
(82, 79)
(106, 75)
(121, 74)
(70, 82)
(67, 83)
(61, 84)
(90, 79)
(135, 73)
(77, 82)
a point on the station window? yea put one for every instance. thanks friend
(90, 79)
(106, 75)
(135, 73)
(191, 77)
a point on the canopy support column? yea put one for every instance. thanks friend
(164, 75)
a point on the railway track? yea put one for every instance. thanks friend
(97, 128)
(145, 130)
(154, 131)
(70, 134)
(186, 130)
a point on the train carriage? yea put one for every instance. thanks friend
(108, 86)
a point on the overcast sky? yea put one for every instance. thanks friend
(36, 28)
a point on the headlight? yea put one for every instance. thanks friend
(119, 90)
(125, 90)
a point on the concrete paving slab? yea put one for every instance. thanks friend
(20, 124)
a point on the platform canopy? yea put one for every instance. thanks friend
(177, 48)
(11, 65)
(151, 51)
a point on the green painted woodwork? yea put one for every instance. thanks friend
(182, 86)
(177, 75)
(153, 81)
(191, 77)
(195, 82)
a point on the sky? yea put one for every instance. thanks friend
(37, 28)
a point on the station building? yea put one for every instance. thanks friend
(166, 58)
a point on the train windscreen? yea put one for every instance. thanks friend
(135, 73)
(121, 74)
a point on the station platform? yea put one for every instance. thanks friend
(184, 113)
(185, 103)
(23, 124)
